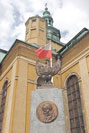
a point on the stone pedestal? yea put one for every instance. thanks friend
(39, 122)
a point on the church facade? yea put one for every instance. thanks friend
(18, 76)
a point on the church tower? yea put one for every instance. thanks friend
(40, 31)
(52, 33)
(35, 30)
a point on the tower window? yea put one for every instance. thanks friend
(74, 103)
(33, 20)
(54, 33)
(49, 21)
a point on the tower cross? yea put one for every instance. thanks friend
(46, 6)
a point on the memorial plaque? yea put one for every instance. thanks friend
(47, 111)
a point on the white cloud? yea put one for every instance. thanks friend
(71, 19)
(69, 16)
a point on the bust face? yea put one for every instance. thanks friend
(46, 109)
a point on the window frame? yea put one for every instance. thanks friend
(68, 93)
(3, 102)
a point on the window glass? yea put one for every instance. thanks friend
(74, 103)
(33, 20)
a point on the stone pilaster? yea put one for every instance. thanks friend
(85, 91)
(20, 102)
(6, 126)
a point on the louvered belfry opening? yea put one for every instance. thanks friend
(3, 101)
(74, 104)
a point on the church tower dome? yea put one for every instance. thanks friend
(52, 32)
(47, 16)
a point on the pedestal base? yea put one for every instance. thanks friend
(41, 96)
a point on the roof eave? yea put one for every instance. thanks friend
(73, 41)
(32, 45)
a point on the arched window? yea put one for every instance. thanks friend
(74, 103)
(3, 101)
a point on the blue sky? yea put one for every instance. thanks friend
(70, 16)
